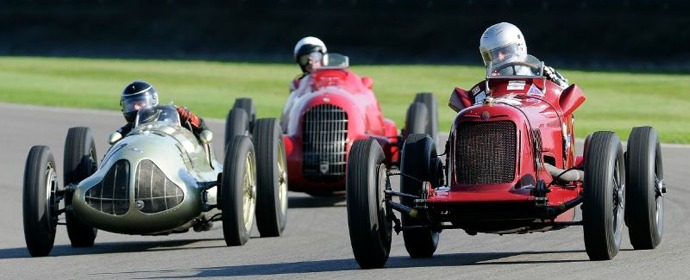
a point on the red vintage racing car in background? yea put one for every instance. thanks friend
(510, 167)
(332, 108)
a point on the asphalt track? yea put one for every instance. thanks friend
(315, 244)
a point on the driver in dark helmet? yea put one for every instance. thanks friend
(308, 54)
(139, 95)
(502, 43)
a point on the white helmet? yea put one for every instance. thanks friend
(502, 43)
(308, 45)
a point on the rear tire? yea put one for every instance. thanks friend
(367, 211)
(417, 157)
(604, 196)
(80, 162)
(429, 101)
(238, 195)
(416, 120)
(247, 104)
(272, 202)
(236, 124)
(39, 201)
(645, 214)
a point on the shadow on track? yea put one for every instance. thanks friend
(115, 247)
(440, 260)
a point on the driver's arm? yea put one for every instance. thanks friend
(197, 123)
(120, 133)
(555, 77)
(124, 130)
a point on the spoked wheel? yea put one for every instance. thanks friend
(418, 154)
(645, 213)
(80, 162)
(238, 195)
(272, 202)
(604, 196)
(40, 201)
(367, 211)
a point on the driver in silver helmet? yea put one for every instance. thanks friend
(504, 43)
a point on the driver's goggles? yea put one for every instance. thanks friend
(132, 104)
(500, 54)
(311, 57)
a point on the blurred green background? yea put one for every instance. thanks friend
(616, 101)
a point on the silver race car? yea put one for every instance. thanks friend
(157, 180)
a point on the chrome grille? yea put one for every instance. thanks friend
(111, 196)
(324, 143)
(485, 152)
(153, 191)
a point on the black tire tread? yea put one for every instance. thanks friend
(78, 166)
(236, 123)
(39, 226)
(369, 231)
(600, 160)
(234, 231)
(416, 158)
(268, 138)
(644, 154)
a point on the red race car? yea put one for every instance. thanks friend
(510, 167)
(332, 108)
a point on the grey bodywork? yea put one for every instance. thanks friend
(185, 162)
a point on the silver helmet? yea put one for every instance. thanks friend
(502, 43)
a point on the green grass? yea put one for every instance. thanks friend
(615, 101)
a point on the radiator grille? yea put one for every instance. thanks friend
(111, 196)
(153, 191)
(485, 152)
(324, 143)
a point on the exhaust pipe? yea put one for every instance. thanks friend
(565, 175)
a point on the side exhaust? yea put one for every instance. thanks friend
(575, 175)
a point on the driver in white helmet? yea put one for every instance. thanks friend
(308, 54)
(502, 43)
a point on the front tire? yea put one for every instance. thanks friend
(80, 162)
(40, 202)
(418, 154)
(367, 211)
(272, 202)
(238, 195)
(645, 216)
(604, 196)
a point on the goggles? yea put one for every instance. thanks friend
(132, 104)
(310, 58)
(500, 54)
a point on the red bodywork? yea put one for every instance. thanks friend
(331, 109)
(496, 158)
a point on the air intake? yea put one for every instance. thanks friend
(485, 152)
(324, 143)
(153, 191)
(111, 196)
